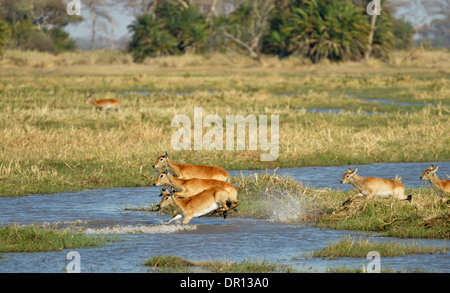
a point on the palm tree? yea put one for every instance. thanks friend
(331, 29)
(150, 39)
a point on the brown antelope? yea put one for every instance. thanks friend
(198, 205)
(221, 211)
(373, 186)
(188, 171)
(190, 187)
(442, 187)
(104, 104)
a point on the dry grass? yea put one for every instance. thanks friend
(53, 142)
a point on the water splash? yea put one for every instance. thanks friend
(141, 229)
(287, 207)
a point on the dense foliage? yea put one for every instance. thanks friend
(35, 25)
(328, 29)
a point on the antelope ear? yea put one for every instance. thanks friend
(354, 171)
(349, 170)
(435, 169)
(166, 154)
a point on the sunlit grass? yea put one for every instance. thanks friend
(52, 141)
(17, 238)
(352, 247)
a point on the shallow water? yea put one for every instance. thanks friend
(330, 176)
(143, 235)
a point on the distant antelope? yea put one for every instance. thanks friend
(198, 205)
(104, 104)
(188, 171)
(373, 186)
(190, 187)
(442, 187)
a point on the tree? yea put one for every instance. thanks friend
(336, 30)
(173, 28)
(97, 11)
(32, 21)
(4, 30)
(150, 39)
(248, 24)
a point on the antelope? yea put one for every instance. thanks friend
(190, 187)
(222, 211)
(188, 171)
(195, 206)
(104, 104)
(374, 186)
(442, 187)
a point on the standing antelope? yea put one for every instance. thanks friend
(188, 171)
(104, 104)
(442, 187)
(373, 186)
(190, 187)
(195, 206)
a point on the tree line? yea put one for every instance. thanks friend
(338, 30)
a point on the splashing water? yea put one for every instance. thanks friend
(141, 229)
(284, 206)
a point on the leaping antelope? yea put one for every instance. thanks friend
(442, 187)
(195, 206)
(374, 186)
(191, 187)
(104, 104)
(188, 171)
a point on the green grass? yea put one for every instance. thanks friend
(421, 218)
(283, 199)
(352, 247)
(166, 264)
(16, 238)
(53, 142)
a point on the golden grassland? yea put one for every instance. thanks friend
(52, 141)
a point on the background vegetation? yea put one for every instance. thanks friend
(328, 29)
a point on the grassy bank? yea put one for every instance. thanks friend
(53, 142)
(351, 247)
(164, 264)
(283, 199)
(16, 238)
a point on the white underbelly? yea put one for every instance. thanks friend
(213, 207)
(384, 193)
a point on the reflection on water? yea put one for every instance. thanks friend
(143, 235)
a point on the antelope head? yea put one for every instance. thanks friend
(161, 179)
(429, 172)
(347, 177)
(162, 161)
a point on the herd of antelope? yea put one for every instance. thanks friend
(373, 186)
(198, 190)
(195, 190)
